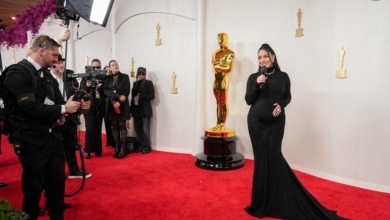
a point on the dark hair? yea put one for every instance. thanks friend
(96, 60)
(111, 61)
(45, 42)
(269, 50)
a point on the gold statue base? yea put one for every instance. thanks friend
(341, 73)
(227, 132)
(299, 32)
(132, 74)
(173, 90)
(157, 42)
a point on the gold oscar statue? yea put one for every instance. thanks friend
(341, 72)
(158, 40)
(299, 30)
(223, 63)
(219, 142)
(173, 88)
(86, 60)
(132, 73)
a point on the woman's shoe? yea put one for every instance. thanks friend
(122, 151)
(146, 150)
(117, 150)
(87, 155)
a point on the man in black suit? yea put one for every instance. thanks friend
(69, 129)
(36, 136)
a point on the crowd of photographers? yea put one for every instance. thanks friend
(47, 101)
(109, 91)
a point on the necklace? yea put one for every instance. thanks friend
(270, 72)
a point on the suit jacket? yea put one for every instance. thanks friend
(145, 89)
(69, 87)
(113, 92)
(32, 105)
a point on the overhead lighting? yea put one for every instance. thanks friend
(13, 18)
(64, 14)
(94, 11)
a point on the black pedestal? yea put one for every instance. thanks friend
(219, 153)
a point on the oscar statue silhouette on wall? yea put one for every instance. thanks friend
(341, 71)
(219, 141)
(299, 30)
(157, 42)
(132, 73)
(173, 88)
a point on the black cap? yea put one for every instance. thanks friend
(60, 58)
(141, 70)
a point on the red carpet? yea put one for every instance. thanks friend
(168, 186)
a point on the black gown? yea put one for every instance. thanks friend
(276, 191)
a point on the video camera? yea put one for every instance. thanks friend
(81, 94)
(91, 74)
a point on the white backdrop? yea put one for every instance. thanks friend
(336, 128)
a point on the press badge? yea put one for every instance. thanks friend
(48, 101)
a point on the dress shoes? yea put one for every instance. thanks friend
(41, 212)
(3, 184)
(78, 174)
(146, 150)
(87, 156)
(67, 205)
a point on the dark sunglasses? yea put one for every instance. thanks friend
(141, 73)
(96, 67)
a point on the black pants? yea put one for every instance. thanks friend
(93, 133)
(142, 128)
(69, 130)
(43, 169)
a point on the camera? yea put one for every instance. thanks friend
(81, 94)
(95, 76)
(91, 74)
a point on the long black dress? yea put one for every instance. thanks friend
(276, 191)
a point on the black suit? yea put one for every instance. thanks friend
(42, 155)
(69, 129)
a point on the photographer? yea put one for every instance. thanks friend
(117, 89)
(36, 113)
(94, 117)
(69, 128)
